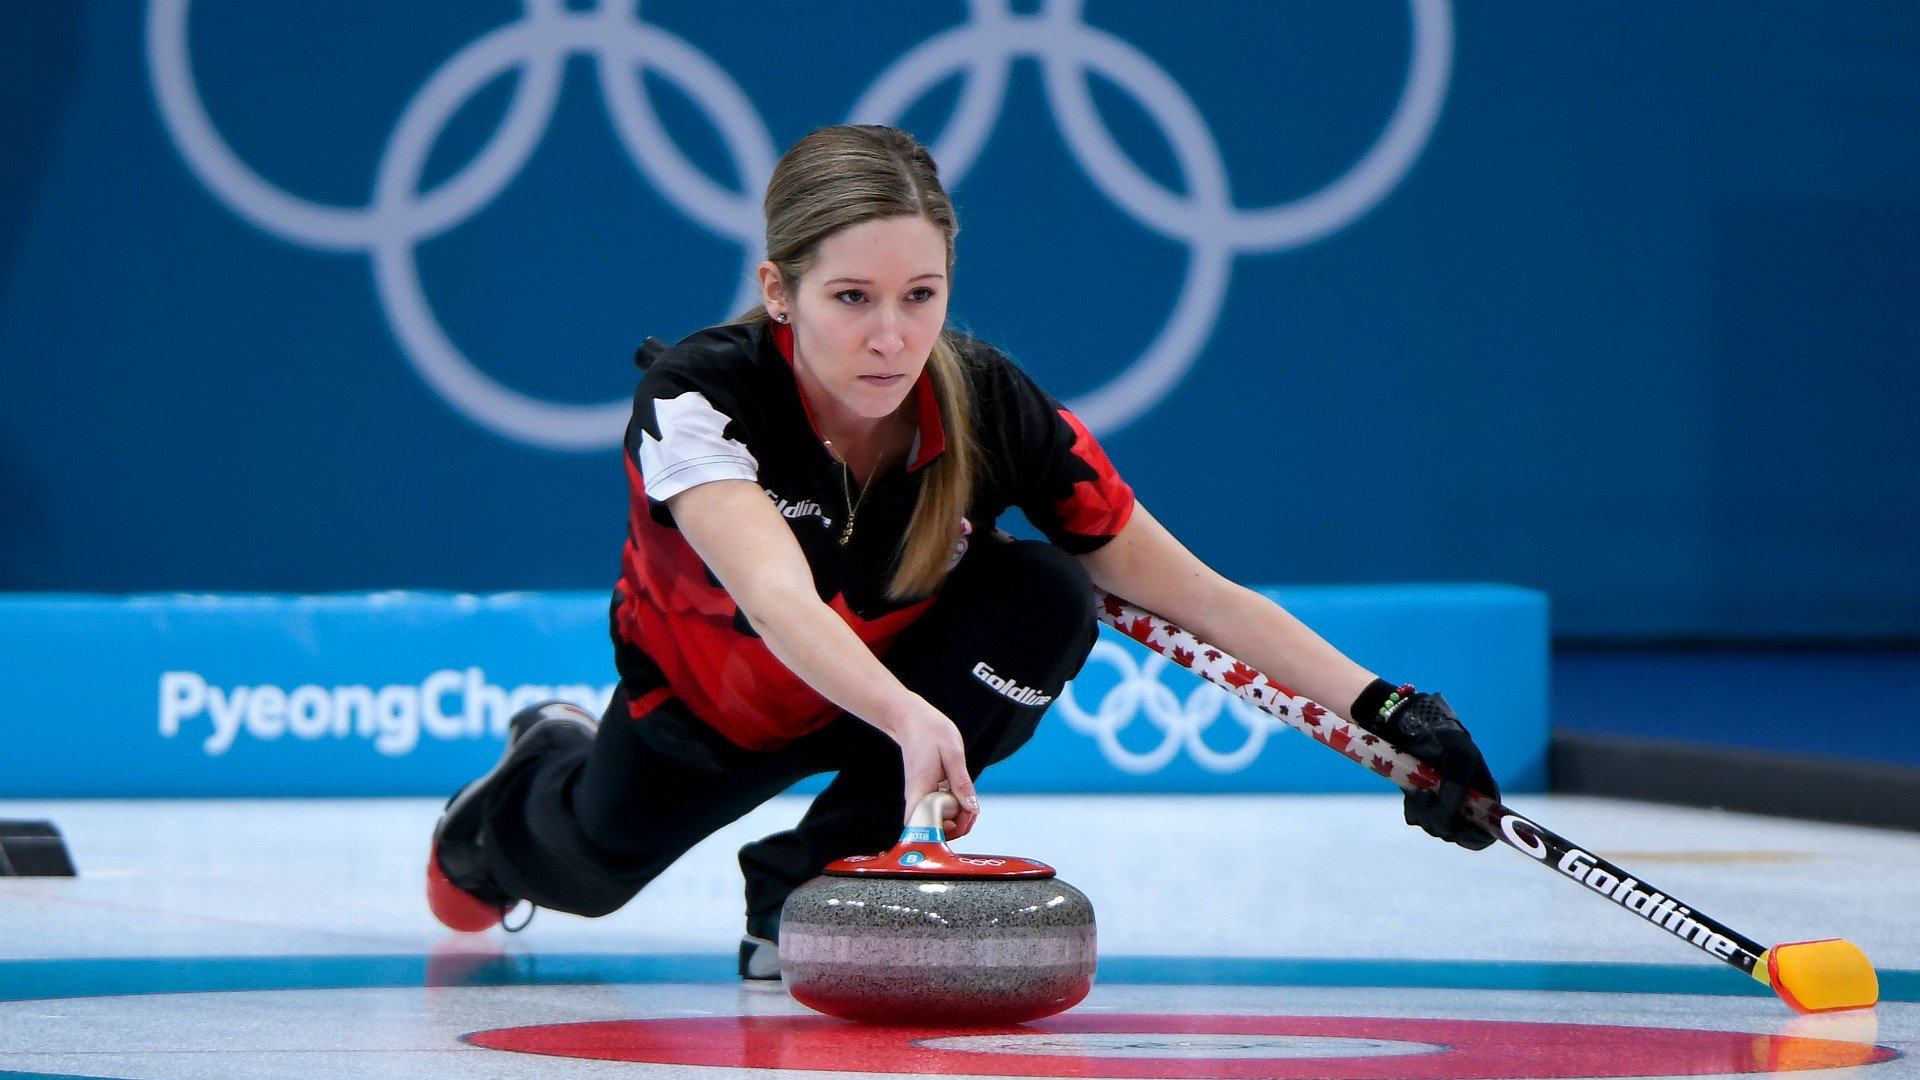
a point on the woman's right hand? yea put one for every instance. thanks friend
(935, 759)
(752, 552)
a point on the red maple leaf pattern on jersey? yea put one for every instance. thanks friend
(1339, 737)
(1312, 713)
(1140, 629)
(1114, 605)
(1183, 658)
(1097, 507)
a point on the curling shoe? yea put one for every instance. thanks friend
(460, 891)
(760, 949)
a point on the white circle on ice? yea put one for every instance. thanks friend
(1123, 1044)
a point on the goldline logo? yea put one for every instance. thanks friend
(1025, 695)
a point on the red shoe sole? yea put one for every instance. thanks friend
(456, 908)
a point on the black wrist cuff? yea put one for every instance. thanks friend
(1366, 707)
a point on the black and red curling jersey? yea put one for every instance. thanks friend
(724, 404)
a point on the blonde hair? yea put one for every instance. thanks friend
(837, 177)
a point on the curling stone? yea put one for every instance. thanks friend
(919, 935)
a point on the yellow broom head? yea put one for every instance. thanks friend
(1821, 976)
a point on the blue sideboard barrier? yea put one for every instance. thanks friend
(404, 693)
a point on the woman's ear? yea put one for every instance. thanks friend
(773, 291)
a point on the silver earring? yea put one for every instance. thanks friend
(781, 318)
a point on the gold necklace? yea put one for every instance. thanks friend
(846, 492)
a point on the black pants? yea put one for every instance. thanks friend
(585, 825)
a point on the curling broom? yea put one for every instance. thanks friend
(1810, 976)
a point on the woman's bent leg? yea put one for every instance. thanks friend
(579, 823)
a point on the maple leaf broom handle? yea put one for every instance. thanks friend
(1529, 838)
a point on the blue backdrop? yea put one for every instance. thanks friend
(1607, 299)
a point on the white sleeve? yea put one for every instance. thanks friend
(692, 448)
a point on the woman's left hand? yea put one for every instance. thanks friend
(1426, 726)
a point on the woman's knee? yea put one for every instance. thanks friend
(1041, 581)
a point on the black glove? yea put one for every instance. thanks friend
(1425, 726)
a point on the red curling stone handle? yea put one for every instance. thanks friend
(923, 852)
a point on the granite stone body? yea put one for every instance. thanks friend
(943, 951)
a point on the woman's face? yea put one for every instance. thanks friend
(866, 315)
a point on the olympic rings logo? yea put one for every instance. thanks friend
(399, 216)
(1182, 724)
